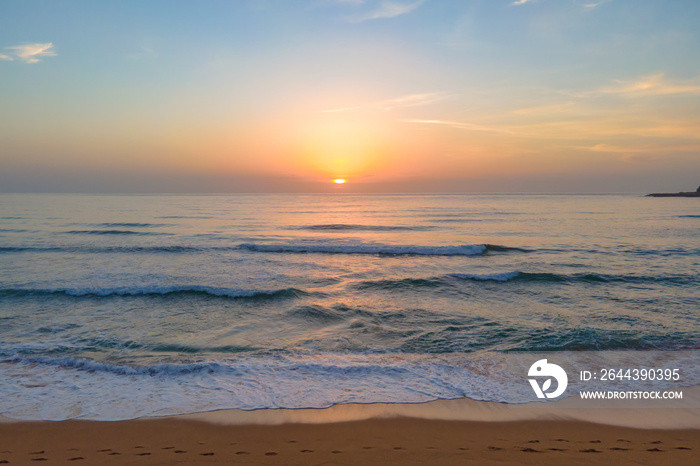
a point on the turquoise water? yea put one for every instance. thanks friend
(115, 307)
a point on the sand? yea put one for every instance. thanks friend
(399, 440)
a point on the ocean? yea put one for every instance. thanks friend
(124, 306)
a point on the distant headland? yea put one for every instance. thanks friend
(681, 194)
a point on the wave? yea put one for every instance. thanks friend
(499, 277)
(353, 227)
(689, 216)
(543, 277)
(10, 249)
(111, 249)
(339, 248)
(132, 225)
(579, 277)
(211, 291)
(369, 248)
(90, 365)
(115, 232)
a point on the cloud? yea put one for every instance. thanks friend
(389, 9)
(653, 85)
(644, 149)
(413, 100)
(29, 53)
(521, 2)
(591, 5)
(615, 149)
(461, 125)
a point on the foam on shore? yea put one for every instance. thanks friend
(680, 416)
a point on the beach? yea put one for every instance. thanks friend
(401, 440)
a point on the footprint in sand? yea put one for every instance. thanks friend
(623, 440)
(594, 441)
(40, 459)
(37, 452)
(619, 449)
(306, 451)
(180, 451)
(271, 453)
(243, 453)
(336, 451)
(533, 441)
(463, 448)
(590, 450)
(4, 461)
(211, 453)
(115, 453)
(530, 450)
(77, 458)
(654, 449)
(560, 440)
(143, 454)
(367, 448)
(682, 448)
(399, 448)
(291, 441)
(138, 446)
(656, 442)
(102, 451)
(167, 448)
(495, 448)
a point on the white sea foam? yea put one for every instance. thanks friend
(63, 388)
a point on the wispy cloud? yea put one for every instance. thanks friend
(643, 149)
(461, 125)
(614, 148)
(388, 9)
(521, 2)
(410, 100)
(29, 53)
(653, 85)
(413, 100)
(591, 5)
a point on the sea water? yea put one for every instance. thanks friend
(122, 306)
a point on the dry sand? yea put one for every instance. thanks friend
(328, 436)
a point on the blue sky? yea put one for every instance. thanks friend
(395, 96)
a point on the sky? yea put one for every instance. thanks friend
(395, 96)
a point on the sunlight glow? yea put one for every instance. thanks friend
(339, 181)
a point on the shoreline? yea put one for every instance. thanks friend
(660, 415)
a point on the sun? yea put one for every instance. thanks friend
(339, 181)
